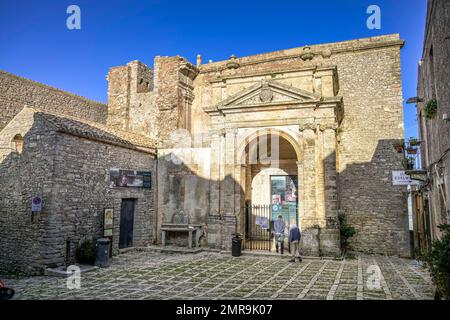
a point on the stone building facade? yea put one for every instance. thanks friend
(434, 129)
(306, 132)
(66, 161)
(336, 107)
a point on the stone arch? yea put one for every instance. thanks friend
(259, 132)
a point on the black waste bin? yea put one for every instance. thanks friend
(102, 259)
(236, 245)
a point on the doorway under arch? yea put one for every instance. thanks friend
(270, 188)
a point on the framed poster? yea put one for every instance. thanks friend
(130, 178)
(108, 217)
(263, 222)
(284, 191)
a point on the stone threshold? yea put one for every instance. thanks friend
(283, 256)
(166, 249)
(176, 249)
(61, 272)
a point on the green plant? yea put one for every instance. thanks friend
(86, 251)
(413, 142)
(430, 109)
(346, 231)
(437, 260)
(408, 163)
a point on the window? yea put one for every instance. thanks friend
(17, 143)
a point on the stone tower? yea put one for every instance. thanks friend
(152, 102)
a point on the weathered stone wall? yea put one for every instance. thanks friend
(368, 78)
(71, 174)
(345, 110)
(183, 185)
(434, 82)
(154, 104)
(17, 92)
(370, 83)
(131, 100)
(81, 190)
(22, 176)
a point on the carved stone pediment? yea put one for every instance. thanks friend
(266, 93)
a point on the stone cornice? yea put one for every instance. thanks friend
(216, 66)
(313, 69)
(328, 126)
(307, 126)
(315, 124)
(189, 70)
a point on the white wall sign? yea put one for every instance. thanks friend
(399, 178)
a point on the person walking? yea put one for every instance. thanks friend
(294, 241)
(279, 227)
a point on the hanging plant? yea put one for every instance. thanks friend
(430, 109)
(413, 142)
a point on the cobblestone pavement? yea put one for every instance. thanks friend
(206, 275)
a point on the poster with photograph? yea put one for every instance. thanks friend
(284, 192)
(108, 217)
(291, 189)
(130, 178)
(263, 222)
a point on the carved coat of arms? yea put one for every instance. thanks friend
(266, 93)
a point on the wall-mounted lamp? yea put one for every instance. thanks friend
(414, 100)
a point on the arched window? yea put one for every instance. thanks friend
(17, 143)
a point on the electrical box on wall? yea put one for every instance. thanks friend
(446, 117)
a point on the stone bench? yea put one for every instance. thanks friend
(176, 227)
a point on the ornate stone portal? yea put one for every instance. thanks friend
(308, 121)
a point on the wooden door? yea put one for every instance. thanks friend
(126, 223)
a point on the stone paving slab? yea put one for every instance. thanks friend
(142, 275)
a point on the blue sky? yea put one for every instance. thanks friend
(35, 43)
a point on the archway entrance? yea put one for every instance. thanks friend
(271, 189)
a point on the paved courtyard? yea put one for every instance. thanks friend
(207, 275)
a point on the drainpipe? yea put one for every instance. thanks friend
(155, 201)
(318, 240)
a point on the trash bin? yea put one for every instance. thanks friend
(102, 258)
(236, 245)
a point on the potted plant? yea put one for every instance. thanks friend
(408, 163)
(86, 252)
(414, 142)
(411, 150)
(437, 260)
(399, 146)
(346, 231)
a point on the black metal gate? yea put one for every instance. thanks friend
(258, 226)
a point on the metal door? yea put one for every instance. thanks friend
(126, 223)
